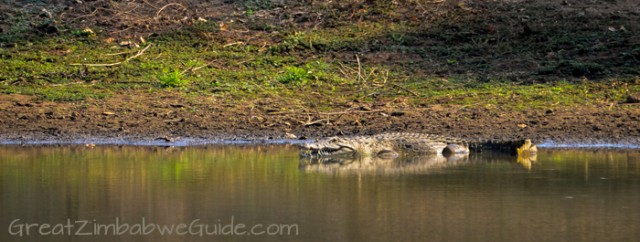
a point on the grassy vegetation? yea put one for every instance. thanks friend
(300, 63)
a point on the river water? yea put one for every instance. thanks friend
(266, 193)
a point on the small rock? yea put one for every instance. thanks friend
(290, 136)
(88, 32)
(522, 126)
(108, 113)
(258, 118)
(129, 44)
(168, 139)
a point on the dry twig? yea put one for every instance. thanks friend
(140, 52)
(232, 44)
(194, 69)
(359, 70)
(121, 53)
(348, 111)
(170, 4)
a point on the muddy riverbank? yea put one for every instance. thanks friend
(139, 116)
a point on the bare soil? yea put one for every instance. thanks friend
(139, 115)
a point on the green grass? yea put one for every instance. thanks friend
(300, 66)
(295, 75)
(521, 97)
(173, 79)
(61, 93)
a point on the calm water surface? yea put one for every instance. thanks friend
(564, 195)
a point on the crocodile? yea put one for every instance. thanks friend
(392, 145)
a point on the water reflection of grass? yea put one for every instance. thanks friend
(76, 164)
(601, 163)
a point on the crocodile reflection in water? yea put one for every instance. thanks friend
(373, 164)
(414, 164)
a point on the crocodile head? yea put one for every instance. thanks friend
(334, 146)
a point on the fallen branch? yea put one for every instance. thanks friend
(120, 53)
(310, 123)
(330, 113)
(353, 111)
(66, 84)
(140, 52)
